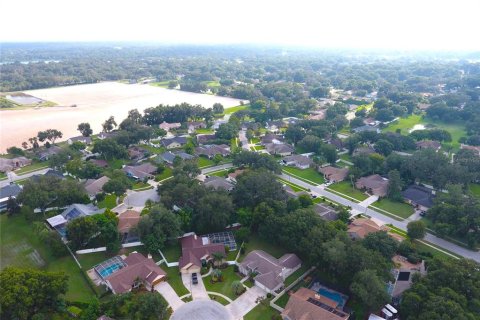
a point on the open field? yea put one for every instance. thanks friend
(94, 103)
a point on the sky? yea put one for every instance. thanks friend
(378, 24)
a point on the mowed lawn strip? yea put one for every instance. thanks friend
(175, 280)
(32, 167)
(261, 312)
(257, 243)
(21, 247)
(345, 187)
(400, 209)
(307, 175)
(224, 287)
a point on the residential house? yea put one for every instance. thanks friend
(428, 144)
(403, 274)
(233, 175)
(218, 183)
(418, 196)
(317, 114)
(14, 163)
(217, 123)
(212, 150)
(197, 252)
(82, 139)
(141, 172)
(72, 212)
(271, 138)
(169, 126)
(94, 186)
(333, 174)
(107, 135)
(306, 304)
(49, 173)
(48, 152)
(363, 151)
(299, 161)
(169, 157)
(137, 271)
(205, 138)
(195, 125)
(279, 149)
(127, 221)
(270, 273)
(325, 212)
(366, 128)
(475, 149)
(136, 153)
(374, 184)
(337, 143)
(275, 126)
(174, 143)
(10, 190)
(359, 228)
(99, 162)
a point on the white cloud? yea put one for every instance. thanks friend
(407, 24)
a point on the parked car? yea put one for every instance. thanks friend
(194, 278)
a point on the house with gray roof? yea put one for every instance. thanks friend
(270, 273)
(173, 143)
(279, 149)
(48, 152)
(140, 172)
(74, 211)
(11, 190)
(94, 186)
(169, 157)
(13, 163)
(418, 196)
(212, 150)
(82, 139)
(299, 161)
(218, 183)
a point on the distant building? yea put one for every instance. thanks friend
(299, 161)
(334, 174)
(94, 186)
(428, 144)
(13, 163)
(140, 172)
(82, 139)
(136, 153)
(325, 212)
(205, 138)
(271, 138)
(72, 212)
(233, 175)
(48, 152)
(218, 183)
(475, 149)
(374, 184)
(194, 125)
(363, 151)
(360, 228)
(279, 149)
(212, 150)
(169, 126)
(366, 128)
(174, 143)
(99, 162)
(169, 157)
(11, 190)
(418, 196)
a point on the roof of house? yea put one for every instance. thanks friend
(428, 144)
(298, 160)
(276, 123)
(271, 138)
(268, 268)
(203, 138)
(170, 156)
(363, 151)
(99, 162)
(74, 211)
(81, 139)
(362, 226)
(333, 173)
(366, 128)
(107, 135)
(179, 140)
(10, 164)
(375, 183)
(104, 317)
(236, 173)
(94, 186)
(196, 124)
(128, 220)
(306, 304)
(138, 267)
(325, 212)
(11, 190)
(212, 150)
(218, 183)
(141, 171)
(167, 126)
(473, 148)
(136, 152)
(404, 282)
(49, 151)
(194, 248)
(279, 148)
(419, 195)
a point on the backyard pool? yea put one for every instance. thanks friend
(109, 266)
(333, 295)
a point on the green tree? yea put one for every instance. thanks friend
(217, 108)
(212, 212)
(381, 242)
(26, 292)
(109, 149)
(257, 186)
(80, 231)
(85, 129)
(369, 289)
(237, 287)
(148, 306)
(416, 229)
(109, 124)
(384, 147)
(394, 191)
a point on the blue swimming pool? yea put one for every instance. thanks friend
(109, 270)
(109, 266)
(333, 295)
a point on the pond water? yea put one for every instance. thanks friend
(24, 99)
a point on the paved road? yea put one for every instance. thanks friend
(138, 198)
(399, 224)
(12, 176)
(242, 136)
(217, 168)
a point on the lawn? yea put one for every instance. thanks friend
(261, 312)
(346, 157)
(257, 148)
(175, 280)
(235, 109)
(21, 247)
(400, 209)
(231, 255)
(294, 276)
(167, 173)
(141, 185)
(294, 187)
(204, 131)
(254, 140)
(172, 253)
(256, 243)
(116, 163)
(219, 299)
(109, 202)
(213, 84)
(404, 124)
(345, 187)
(161, 84)
(224, 287)
(3, 176)
(474, 189)
(233, 145)
(32, 167)
(204, 162)
(309, 175)
(152, 149)
(221, 173)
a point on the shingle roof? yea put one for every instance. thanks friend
(128, 220)
(194, 248)
(94, 186)
(298, 159)
(419, 195)
(218, 183)
(11, 190)
(179, 140)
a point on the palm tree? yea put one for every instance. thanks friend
(237, 287)
(216, 275)
(217, 257)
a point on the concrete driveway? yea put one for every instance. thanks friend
(202, 310)
(138, 198)
(246, 302)
(166, 290)
(198, 290)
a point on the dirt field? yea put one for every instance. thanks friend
(95, 103)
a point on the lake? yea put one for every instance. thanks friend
(94, 104)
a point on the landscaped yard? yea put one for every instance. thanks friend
(32, 167)
(139, 185)
(294, 187)
(173, 252)
(256, 243)
(204, 162)
(474, 189)
(309, 175)
(224, 287)
(400, 209)
(109, 202)
(116, 163)
(152, 149)
(204, 131)
(21, 247)
(346, 157)
(294, 276)
(404, 124)
(175, 280)
(167, 173)
(345, 187)
(221, 173)
(237, 108)
(261, 312)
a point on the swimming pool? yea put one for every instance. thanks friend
(333, 295)
(109, 266)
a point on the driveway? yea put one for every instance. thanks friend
(138, 198)
(202, 310)
(12, 176)
(246, 302)
(198, 290)
(169, 294)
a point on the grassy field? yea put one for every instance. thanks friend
(205, 162)
(139, 185)
(109, 202)
(294, 276)
(167, 173)
(212, 84)
(152, 149)
(221, 173)
(346, 157)
(235, 109)
(172, 253)
(175, 280)
(204, 131)
(32, 167)
(404, 124)
(474, 189)
(256, 243)
(401, 209)
(161, 84)
(116, 163)
(308, 175)
(294, 187)
(345, 187)
(261, 312)
(21, 247)
(224, 287)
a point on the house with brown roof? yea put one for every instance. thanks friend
(212, 150)
(374, 184)
(141, 172)
(94, 186)
(475, 149)
(197, 251)
(14, 163)
(306, 304)
(428, 144)
(82, 139)
(205, 138)
(271, 138)
(363, 151)
(334, 174)
(233, 175)
(136, 153)
(218, 183)
(127, 221)
(359, 228)
(169, 126)
(99, 162)
(270, 273)
(138, 271)
(174, 143)
(194, 125)
(279, 149)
